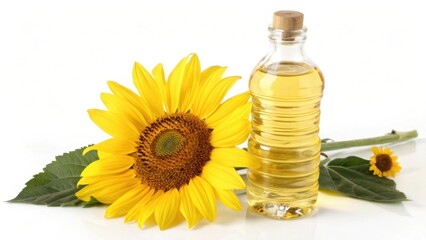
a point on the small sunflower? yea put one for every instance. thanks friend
(383, 163)
(172, 150)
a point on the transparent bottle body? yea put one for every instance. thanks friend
(286, 89)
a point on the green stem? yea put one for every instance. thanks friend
(394, 136)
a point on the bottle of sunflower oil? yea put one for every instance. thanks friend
(286, 89)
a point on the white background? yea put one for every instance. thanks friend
(56, 56)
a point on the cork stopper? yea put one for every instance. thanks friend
(288, 20)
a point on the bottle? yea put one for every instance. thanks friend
(286, 89)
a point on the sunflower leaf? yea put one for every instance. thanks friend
(57, 184)
(351, 177)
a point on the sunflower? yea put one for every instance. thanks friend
(172, 150)
(383, 163)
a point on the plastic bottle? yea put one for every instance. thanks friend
(286, 89)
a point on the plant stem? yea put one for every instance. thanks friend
(394, 136)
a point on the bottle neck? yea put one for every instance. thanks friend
(288, 45)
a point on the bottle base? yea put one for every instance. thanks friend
(282, 211)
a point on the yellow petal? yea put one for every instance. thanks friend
(126, 202)
(117, 146)
(160, 79)
(228, 198)
(212, 95)
(103, 154)
(212, 76)
(221, 177)
(387, 151)
(137, 102)
(397, 167)
(375, 150)
(386, 174)
(187, 208)
(130, 173)
(208, 72)
(227, 108)
(148, 207)
(167, 209)
(190, 84)
(174, 86)
(135, 211)
(230, 118)
(107, 191)
(209, 79)
(230, 135)
(120, 128)
(148, 89)
(122, 107)
(232, 157)
(202, 196)
(111, 194)
(111, 165)
(217, 95)
(178, 219)
(375, 170)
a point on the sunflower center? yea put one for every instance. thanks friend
(167, 143)
(172, 150)
(383, 162)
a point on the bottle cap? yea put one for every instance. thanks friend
(288, 20)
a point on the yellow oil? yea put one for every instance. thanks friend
(284, 139)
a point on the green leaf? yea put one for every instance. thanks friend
(57, 184)
(351, 177)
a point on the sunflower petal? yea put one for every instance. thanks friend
(387, 151)
(232, 157)
(107, 191)
(113, 165)
(122, 205)
(135, 211)
(160, 79)
(212, 76)
(229, 135)
(122, 107)
(112, 125)
(167, 209)
(148, 207)
(216, 95)
(130, 173)
(227, 108)
(206, 73)
(174, 86)
(209, 78)
(148, 89)
(213, 91)
(375, 150)
(228, 198)
(187, 208)
(202, 196)
(178, 218)
(222, 177)
(190, 83)
(230, 118)
(102, 154)
(113, 145)
(137, 102)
